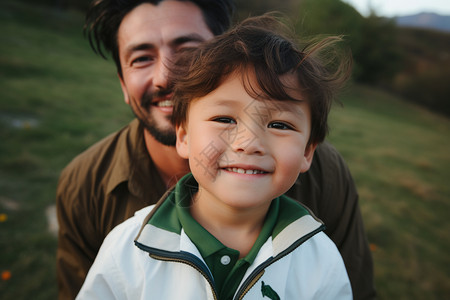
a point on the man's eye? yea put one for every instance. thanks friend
(226, 120)
(142, 59)
(185, 49)
(280, 125)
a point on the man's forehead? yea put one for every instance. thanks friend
(164, 22)
(166, 14)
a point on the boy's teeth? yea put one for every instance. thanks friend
(243, 171)
(165, 103)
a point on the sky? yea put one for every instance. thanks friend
(392, 8)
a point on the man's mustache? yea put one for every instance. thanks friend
(147, 98)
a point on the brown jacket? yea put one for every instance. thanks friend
(107, 183)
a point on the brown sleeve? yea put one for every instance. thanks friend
(329, 191)
(77, 240)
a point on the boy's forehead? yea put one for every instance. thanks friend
(289, 83)
(228, 94)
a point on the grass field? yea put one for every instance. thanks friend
(57, 98)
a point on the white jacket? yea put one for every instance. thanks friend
(300, 263)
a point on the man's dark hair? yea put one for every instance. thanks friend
(266, 47)
(105, 16)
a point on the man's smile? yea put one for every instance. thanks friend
(163, 103)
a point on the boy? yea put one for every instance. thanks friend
(249, 111)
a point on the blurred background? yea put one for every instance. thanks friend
(393, 129)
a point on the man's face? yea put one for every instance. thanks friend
(148, 38)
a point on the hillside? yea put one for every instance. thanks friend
(425, 68)
(425, 20)
(58, 98)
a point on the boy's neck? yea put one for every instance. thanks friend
(171, 167)
(236, 229)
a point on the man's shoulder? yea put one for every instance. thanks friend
(97, 153)
(100, 161)
(327, 152)
(328, 161)
(90, 157)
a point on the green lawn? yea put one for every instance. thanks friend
(399, 157)
(57, 98)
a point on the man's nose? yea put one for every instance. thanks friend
(161, 74)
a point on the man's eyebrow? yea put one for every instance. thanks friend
(137, 47)
(193, 37)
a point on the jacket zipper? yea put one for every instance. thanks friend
(180, 258)
(249, 285)
(259, 271)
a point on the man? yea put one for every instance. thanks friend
(132, 168)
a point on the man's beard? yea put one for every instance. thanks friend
(166, 137)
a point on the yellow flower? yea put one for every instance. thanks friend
(6, 275)
(3, 218)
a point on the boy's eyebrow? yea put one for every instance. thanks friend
(289, 106)
(283, 105)
(273, 106)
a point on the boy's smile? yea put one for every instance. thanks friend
(246, 171)
(242, 153)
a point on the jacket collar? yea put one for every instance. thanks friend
(162, 229)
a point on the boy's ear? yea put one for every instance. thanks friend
(308, 157)
(124, 90)
(182, 142)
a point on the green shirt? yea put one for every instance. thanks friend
(223, 262)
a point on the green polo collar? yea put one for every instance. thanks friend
(167, 217)
(223, 262)
(205, 241)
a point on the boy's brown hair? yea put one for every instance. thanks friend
(265, 46)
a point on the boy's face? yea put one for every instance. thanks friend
(245, 152)
(148, 39)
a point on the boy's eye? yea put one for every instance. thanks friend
(280, 125)
(226, 120)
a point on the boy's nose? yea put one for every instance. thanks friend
(248, 141)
